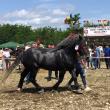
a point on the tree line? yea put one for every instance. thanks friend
(23, 34)
(48, 35)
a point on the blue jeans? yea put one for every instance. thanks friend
(80, 70)
(96, 62)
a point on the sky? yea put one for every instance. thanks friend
(40, 13)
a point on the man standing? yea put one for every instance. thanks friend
(96, 58)
(107, 56)
(6, 56)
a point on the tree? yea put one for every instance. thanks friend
(23, 34)
(73, 22)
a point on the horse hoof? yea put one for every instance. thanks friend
(48, 79)
(54, 91)
(19, 89)
(40, 91)
(78, 91)
(69, 87)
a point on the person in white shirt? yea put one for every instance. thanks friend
(90, 57)
(6, 56)
(1, 61)
(27, 47)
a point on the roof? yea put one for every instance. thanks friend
(11, 45)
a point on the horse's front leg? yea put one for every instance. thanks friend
(32, 79)
(73, 79)
(74, 88)
(23, 75)
(61, 77)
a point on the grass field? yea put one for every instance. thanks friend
(29, 99)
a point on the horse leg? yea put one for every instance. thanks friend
(75, 88)
(56, 74)
(23, 75)
(49, 75)
(61, 77)
(33, 74)
(73, 79)
(32, 78)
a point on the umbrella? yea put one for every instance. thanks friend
(11, 45)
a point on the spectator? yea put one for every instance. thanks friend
(6, 58)
(34, 45)
(81, 69)
(1, 62)
(96, 58)
(90, 57)
(27, 47)
(41, 46)
(107, 56)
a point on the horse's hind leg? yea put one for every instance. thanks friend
(61, 77)
(23, 75)
(56, 74)
(32, 78)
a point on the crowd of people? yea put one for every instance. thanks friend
(98, 54)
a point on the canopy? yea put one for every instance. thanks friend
(30, 42)
(11, 45)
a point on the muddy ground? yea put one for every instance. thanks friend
(29, 99)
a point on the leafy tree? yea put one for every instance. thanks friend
(74, 24)
(23, 34)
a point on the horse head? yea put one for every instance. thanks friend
(81, 47)
(73, 41)
(69, 41)
(77, 42)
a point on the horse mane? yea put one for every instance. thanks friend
(69, 40)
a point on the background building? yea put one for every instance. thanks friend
(98, 32)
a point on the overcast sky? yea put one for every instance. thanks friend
(39, 13)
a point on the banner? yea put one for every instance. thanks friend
(97, 31)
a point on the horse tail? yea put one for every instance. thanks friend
(12, 67)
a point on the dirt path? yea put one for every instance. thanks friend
(29, 99)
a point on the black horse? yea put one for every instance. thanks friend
(62, 58)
